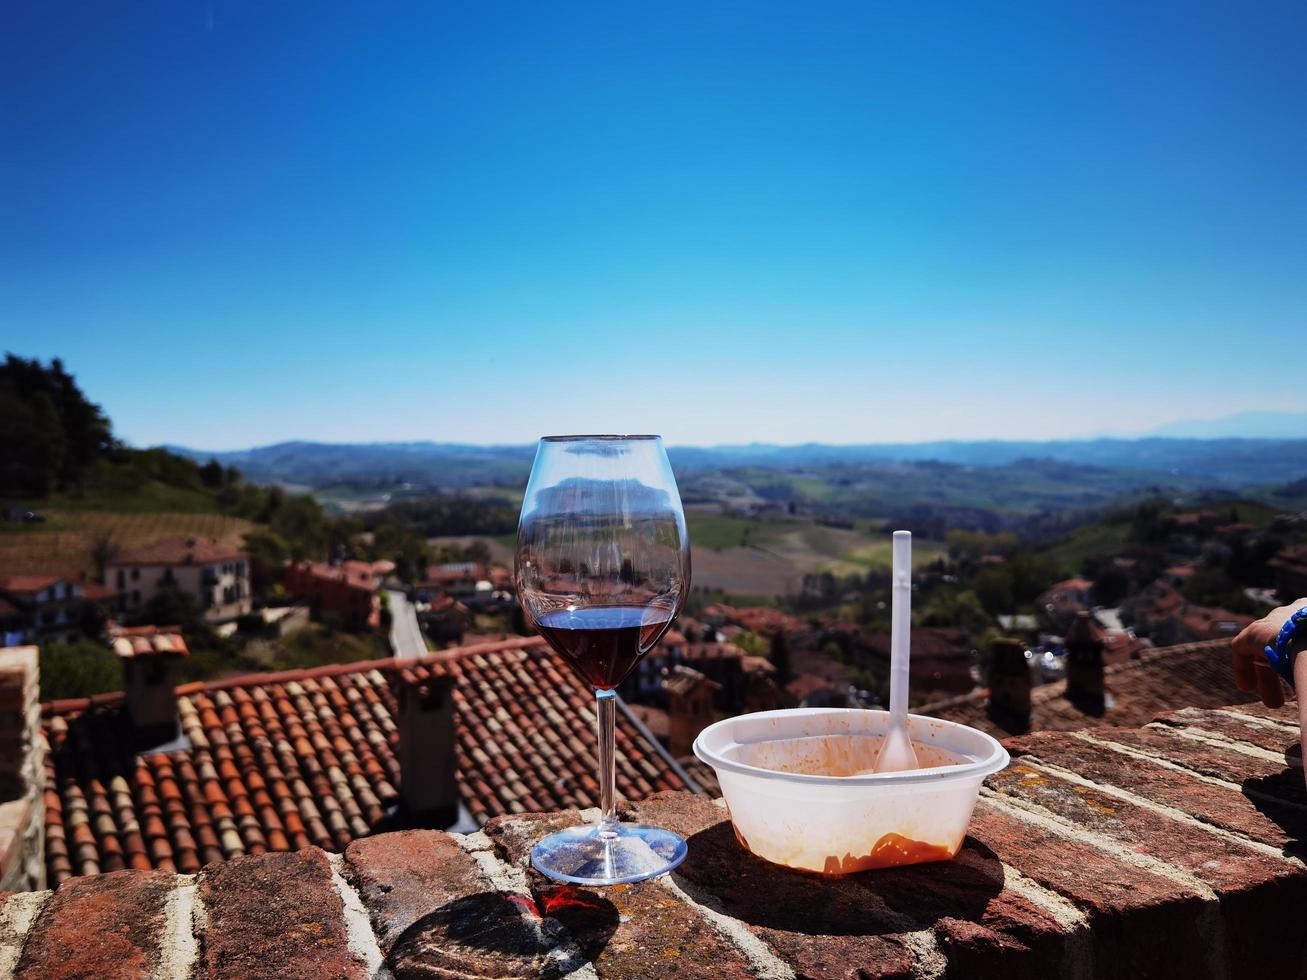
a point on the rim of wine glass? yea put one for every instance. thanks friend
(606, 437)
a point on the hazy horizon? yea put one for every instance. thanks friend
(1300, 418)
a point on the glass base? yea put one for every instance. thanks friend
(612, 855)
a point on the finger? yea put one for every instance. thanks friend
(1269, 688)
(1245, 676)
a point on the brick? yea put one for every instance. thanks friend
(1240, 728)
(1277, 778)
(515, 835)
(275, 915)
(977, 919)
(1263, 820)
(633, 931)
(1250, 882)
(407, 875)
(1128, 906)
(821, 926)
(1286, 713)
(486, 934)
(108, 926)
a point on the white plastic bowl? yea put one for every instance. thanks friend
(837, 824)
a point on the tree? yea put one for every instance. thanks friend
(170, 606)
(91, 620)
(74, 670)
(50, 434)
(104, 549)
(298, 521)
(212, 474)
(751, 643)
(267, 553)
(946, 607)
(1111, 584)
(993, 587)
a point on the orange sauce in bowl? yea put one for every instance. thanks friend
(890, 851)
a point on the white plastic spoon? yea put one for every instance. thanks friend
(896, 753)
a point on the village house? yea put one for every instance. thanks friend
(342, 595)
(215, 575)
(1207, 623)
(476, 586)
(1058, 605)
(49, 608)
(1155, 613)
(942, 657)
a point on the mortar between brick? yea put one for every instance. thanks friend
(1257, 722)
(1050, 821)
(764, 963)
(1035, 762)
(1165, 763)
(16, 919)
(358, 926)
(178, 950)
(1216, 740)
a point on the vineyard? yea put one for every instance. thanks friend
(65, 542)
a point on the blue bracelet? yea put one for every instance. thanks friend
(1278, 652)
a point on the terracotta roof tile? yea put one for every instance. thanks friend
(308, 757)
(139, 641)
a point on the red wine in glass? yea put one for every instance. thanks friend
(603, 643)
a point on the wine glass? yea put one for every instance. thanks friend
(602, 568)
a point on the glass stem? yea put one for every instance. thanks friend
(606, 709)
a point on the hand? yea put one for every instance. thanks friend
(1252, 671)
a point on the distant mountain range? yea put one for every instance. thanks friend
(1245, 425)
(1192, 461)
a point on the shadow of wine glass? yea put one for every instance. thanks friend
(493, 934)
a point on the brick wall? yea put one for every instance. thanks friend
(1174, 850)
(22, 771)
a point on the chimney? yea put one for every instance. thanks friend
(22, 772)
(689, 708)
(1009, 686)
(428, 783)
(1084, 672)
(152, 657)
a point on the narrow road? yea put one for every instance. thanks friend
(405, 633)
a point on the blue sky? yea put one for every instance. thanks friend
(244, 222)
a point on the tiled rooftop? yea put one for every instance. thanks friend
(1194, 674)
(308, 757)
(178, 551)
(29, 583)
(1173, 850)
(139, 641)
